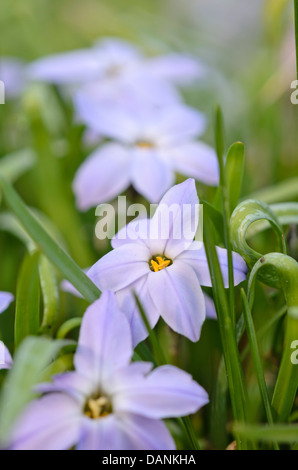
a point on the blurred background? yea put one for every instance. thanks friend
(248, 47)
(249, 53)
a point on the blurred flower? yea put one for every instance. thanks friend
(5, 357)
(149, 146)
(12, 73)
(107, 60)
(112, 62)
(5, 300)
(108, 403)
(165, 272)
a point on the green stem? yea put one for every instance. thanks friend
(257, 359)
(237, 386)
(287, 381)
(219, 139)
(296, 30)
(63, 262)
(185, 422)
(68, 326)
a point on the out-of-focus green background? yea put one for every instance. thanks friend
(249, 47)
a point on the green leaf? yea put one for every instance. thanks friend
(31, 359)
(252, 338)
(63, 262)
(50, 293)
(216, 216)
(282, 433)
(237, 387)
(281, 192)
(286, 270)
(27, 299)
(245, 214)
(15, 164)
(234, 169)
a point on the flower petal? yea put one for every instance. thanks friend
(145, 434)
(50, 423)
(175, 222)
(196, 160)
(72, 383)
(166, 392)
(138, 229)
(121, 267)
(12, 73)
(174, 125)
(66, 68)
(105, 342)
(210, 308)
(101, 434)
(114, 121)
(129, 306)
(6, 361)
(5, 300)
(176, 68)
(197, 259)
(179, 299)
(128, 432)
(102, 176)
(151, 176)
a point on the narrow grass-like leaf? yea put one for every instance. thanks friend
(32, 357)
(50, 294)
(237, 387)
(257, 359)
(286, 269)
(15, 164)
(27, 299)
(68, 326)
(245, 214)
(282, 433)
(219, 142)
(234, 169)
(281, 192)
(63, 262)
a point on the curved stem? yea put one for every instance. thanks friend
(287, 381)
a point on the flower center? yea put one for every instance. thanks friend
(97, 408)
(157, 263)
(145, 144)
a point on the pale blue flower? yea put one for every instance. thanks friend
(5, 300)
(166, 273)
(148, 147)
(108, 403)
(12, 73)
(5, 357)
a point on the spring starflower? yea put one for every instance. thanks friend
(108, 403)
(158, 260)
(12, 74)
(148, 147)
(5, 358)
(5, 300)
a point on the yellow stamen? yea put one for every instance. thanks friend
(98, 408)
(159, 264)
(145, 144)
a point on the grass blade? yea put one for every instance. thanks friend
(63, 262)
(27, 299)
